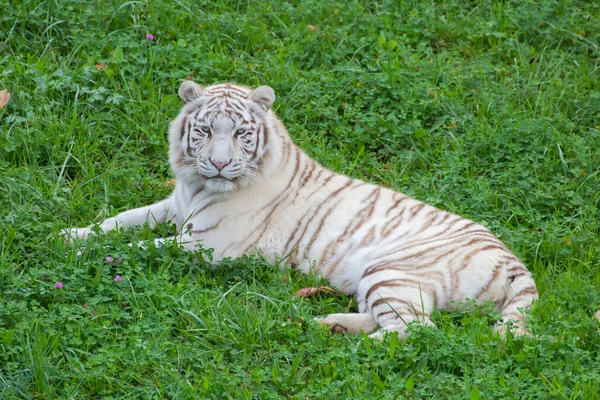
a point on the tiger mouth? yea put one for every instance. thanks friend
(220, 177)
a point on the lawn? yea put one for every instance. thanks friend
(488, 109)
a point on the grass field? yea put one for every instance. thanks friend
(489, 109)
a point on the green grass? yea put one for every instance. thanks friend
(489, 109)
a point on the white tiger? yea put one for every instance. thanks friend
(243, 186)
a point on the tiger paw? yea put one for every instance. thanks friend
(351, 323)
(72, 234)
(145, 244)
(379, 335)
(335, 328)
(516, 330)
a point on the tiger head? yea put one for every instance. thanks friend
(220, 137)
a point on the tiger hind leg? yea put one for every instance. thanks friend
(521, 292)
(395, 309)
(351, 323)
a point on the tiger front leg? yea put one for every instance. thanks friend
(152, 215)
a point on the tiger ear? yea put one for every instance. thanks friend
(264, 96)
(189, 91)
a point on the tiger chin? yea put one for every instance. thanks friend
(243, 186)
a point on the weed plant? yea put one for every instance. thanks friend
(489, 109)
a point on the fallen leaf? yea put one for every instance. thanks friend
(313, 291)
(598, 314)
(312, 28)
(171, 182)
(100, 66)
(4, 98)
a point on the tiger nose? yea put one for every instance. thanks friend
(219, 165)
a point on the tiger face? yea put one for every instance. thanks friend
(223, 134)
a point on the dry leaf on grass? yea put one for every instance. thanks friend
(598, 314)
(313, 291)
(171, 182)
(100, 66)
(4, 98)
(312, 28)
